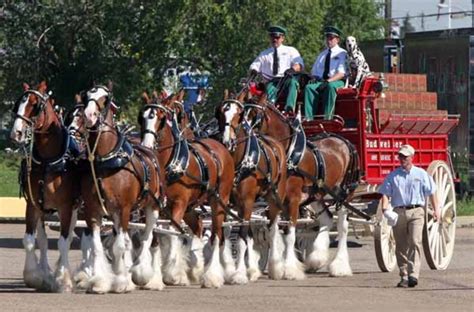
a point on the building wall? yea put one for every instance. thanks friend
(446, 57)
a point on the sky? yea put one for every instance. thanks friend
(400, 8)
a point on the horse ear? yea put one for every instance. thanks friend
(181, 95)
(155, 95)
(26, 86)
(42, 87)
(77, 99)
(110, 85)
(145, 98)
(226, 94)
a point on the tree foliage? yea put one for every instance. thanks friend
(71, 43)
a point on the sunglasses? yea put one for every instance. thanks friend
(276, 36)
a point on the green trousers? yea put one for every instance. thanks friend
(290, 85)
(311, 99)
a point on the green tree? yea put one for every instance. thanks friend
(71, 43)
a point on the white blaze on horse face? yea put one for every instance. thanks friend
(17, 133)
(229, 115)
(92, 112)
(150, 120)
(74, 126)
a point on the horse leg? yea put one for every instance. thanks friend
(101, 281)
(213, 276)
(319, 255)
(156, 282)
(275, 263)
(142, 270)
(62, 275)
(122, 276)
(240, 275)
(294, 269)
(226, 259)
(196, 256)
(32, 274)
(340, 265)
(175, 266)
(85, 270)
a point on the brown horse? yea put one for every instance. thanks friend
(48, 180)
(260, 171)
(122, 179)
(321, 165)
(197, 171)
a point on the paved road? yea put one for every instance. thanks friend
(366, 290)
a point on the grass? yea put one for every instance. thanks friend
(9, 166)
(465, 207)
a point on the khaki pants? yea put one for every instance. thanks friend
(408, 234)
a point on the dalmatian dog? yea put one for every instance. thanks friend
(358, 67)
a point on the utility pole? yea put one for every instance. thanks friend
(388, 17)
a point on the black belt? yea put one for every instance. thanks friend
(409, 207)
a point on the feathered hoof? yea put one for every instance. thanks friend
(195, 274)
(64, 283)
(33, 279)
(315, 262)
(98, 285)
(82, 279)
(141, 275)
(212, 281)
(275, 270)
(339, 268)
(239, 278)
(178, 279)
(156, 283)
(253, 274)
(294, 272)
(120, 285)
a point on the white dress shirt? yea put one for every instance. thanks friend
(337, 64)
(287, 57)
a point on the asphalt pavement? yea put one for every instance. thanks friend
(367, 290)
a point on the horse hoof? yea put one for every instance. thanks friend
(98, 286)
(275, 270)
(239, 279)
(81, 279)
(33, 279)
(212, 281)
(253, 274)
(339, 268)
(294, 273)
(315, 262)
(141, 275)
(156, 283)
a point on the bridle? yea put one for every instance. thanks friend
(40, 109)
(104, 109)
(156, 131)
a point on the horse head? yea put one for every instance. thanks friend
(229, 115)
(29, 113)
(74, 120)
(97, 105)
(152, 119)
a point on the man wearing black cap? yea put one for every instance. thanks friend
(329, 72)
(277, 62)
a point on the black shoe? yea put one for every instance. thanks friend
(403, 283)
(412, 281)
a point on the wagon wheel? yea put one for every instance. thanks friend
(384, 243)
(438, 237)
